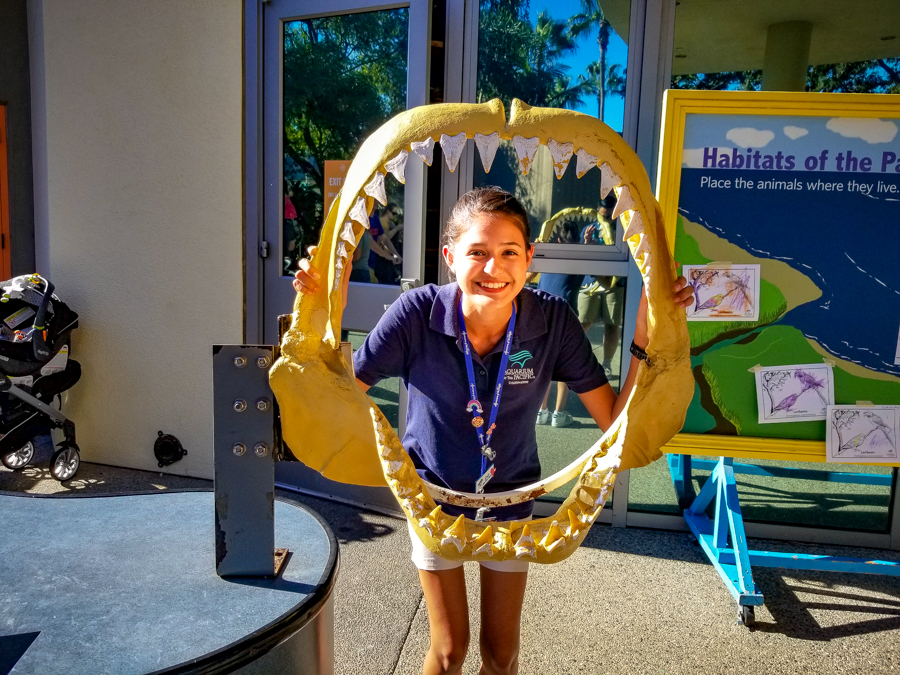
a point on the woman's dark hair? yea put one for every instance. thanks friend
(490, 200)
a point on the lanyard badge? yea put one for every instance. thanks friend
(475, 407)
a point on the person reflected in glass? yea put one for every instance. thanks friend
(602, 297)
(291, 230)
(384, 258)
(565, 286)
(445, 341)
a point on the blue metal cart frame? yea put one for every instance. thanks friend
(723, 538)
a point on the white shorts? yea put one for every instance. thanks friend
(425, 559)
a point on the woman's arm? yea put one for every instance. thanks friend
(602, 403)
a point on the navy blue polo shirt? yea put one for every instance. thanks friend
(418, 340)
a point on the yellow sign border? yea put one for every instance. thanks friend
(677, 105)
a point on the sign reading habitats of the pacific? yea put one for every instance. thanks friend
(807, 187)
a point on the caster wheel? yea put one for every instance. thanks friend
(64, 463)
(19, 459)
(747, 615)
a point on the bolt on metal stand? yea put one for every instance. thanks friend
(244, 451)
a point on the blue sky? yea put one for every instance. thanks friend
(587, 53)
(801, 136)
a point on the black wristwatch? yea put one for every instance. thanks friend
(639, 353)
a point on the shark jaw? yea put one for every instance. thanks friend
(335, 429)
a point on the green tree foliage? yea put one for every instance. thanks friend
(343, 77)
(745, 80)
(879, 76)
(520, 60)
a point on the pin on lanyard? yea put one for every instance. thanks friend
(474, 406)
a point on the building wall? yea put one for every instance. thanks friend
(138, 107)
(14, 93)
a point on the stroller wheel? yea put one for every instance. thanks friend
(19, 459)
(64, 463)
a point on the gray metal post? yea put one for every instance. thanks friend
(244, 445)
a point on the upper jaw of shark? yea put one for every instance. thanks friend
(657, 404)
(412, 136)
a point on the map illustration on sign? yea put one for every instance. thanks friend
(723, 292)
(794, 393)
(784, 215)
(862, 433)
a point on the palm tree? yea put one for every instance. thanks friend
(591, 17)
(551, 42)
(613, 80)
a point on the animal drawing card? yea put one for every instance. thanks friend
(799, 393)
(862, 434)
(723, 292)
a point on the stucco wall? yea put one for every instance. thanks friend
(142, 178)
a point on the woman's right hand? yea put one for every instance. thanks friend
(306, 280)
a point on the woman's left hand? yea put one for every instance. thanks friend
(684, 293)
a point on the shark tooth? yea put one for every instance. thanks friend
(360, 213)
(347, 234)
(625, 202)
(645, 265)
(397, 166)
(585, 162)
(483, 543)
(525, 545)
(452, 147)
(393, 467)
(561, 154)
(525, 149)
(608, 179)
(375, 188)
(415, 505)
(424, 149)
(643, 246)
(339, 265)
(604, 493)
(337, 279)
(554, 539)
(399, 488)
(635, 226)
(432, 521)
(487, 148)
(575, 523)
(456, 534)
(342, 249)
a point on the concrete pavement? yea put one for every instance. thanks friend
(628, 601)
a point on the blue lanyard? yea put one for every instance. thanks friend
(474, 406)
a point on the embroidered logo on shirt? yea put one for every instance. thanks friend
(521, 358)
(520, 375)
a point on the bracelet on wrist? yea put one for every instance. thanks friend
(639, 353)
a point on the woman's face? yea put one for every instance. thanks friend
(490, 260)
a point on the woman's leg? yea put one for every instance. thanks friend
(448, 617)
(502, 594)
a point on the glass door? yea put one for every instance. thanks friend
(334, 72)
(561, 54)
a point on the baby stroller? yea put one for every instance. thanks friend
(35, 369)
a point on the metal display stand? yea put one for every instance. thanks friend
(723, 538)
(246, 447)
